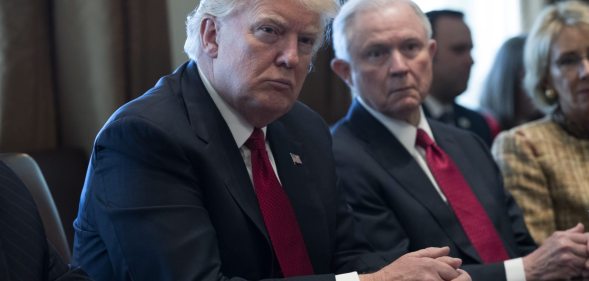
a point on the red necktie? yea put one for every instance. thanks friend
(474, 220)
(277, 212)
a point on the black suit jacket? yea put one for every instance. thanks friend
(25, 253)
(168, 197)
(471, 120)
(398, 207)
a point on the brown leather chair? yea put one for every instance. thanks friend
(27, 169)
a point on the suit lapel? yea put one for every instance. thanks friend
(218, 140)
(406, 173)
(298, 185)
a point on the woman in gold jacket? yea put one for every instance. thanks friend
(545, 163)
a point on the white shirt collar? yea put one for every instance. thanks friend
(239, 127)
(403, 131)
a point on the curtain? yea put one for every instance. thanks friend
(66, 65)
(323, 90)
(27, 86)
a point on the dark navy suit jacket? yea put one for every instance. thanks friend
(398, 207)
(471, 120)
(25, 253)
(168, 197)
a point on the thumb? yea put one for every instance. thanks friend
(431, 252)
(579, 228)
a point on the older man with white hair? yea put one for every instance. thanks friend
(414, 182)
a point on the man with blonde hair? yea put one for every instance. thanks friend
(218, 173)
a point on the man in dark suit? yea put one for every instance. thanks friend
(25, 253)
(451, 70)
(190, 180)
(413, 182)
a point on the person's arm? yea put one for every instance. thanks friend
(151, 208)
(524, 179)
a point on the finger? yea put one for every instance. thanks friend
(579, 250)
(580, 238)
(431, 252)
(463, 276)
(445, 271)
(579, 228)
(453, 262)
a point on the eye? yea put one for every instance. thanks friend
(569, 60)
(268, 29)
(267, 33)
(307, 43)
(375, 53)
(413, 47)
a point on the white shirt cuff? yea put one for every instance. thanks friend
(352, 276)
(514, 270)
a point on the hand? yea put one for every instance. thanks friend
(429, 264)
(562, 256)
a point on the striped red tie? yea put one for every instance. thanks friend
(277, 212)
(474, 220)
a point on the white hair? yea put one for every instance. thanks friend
(219, 8)
(341, 32)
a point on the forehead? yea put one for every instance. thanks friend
(571, 38)
(290, 13)
(396, 22)
(451, 30)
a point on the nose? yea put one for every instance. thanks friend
(289, 53)
(398, 65)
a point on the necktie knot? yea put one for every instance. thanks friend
(423, 140)
(256, 140)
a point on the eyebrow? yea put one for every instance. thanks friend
(310, 30)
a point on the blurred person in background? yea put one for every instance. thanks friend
(545, 163)
(503, 95)
(452, 63)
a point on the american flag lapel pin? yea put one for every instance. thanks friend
(296, 159)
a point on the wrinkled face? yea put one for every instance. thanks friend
(569, 71)
(264, 50)
(390, 60)
(452, 61)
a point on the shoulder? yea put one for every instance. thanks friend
(346, 140)
(536, 128)
(441, 129)
(540, 131)
(305, 123)
(464, 111)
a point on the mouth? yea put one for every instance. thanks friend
(281, 84)
(401, 89)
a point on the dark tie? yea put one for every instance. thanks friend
(474, 220)
(277, 212)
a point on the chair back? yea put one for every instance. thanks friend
(25, 167)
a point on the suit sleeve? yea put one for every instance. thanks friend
(59, 271)
(362, 188)
(524, 178)
(150, 207)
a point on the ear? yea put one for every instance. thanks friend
(208, 36)
(342, 69)
(432, 46)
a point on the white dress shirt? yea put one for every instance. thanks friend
(406, 134)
